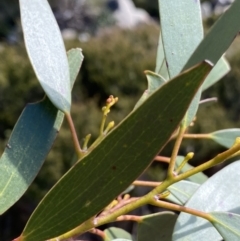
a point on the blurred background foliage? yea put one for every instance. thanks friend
(114, 63)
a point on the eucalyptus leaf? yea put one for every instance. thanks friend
(225, 137)
(182, 31)
(219, 37)
(182, 191)
(155, 227)
(181, 34)
(192, 110)
(114, 164)
(75, 59)
(154, 82)
(227, 224)
(219, 71)
(116, 233)
(199, 177)
(29, 144)
(214, 45)
(219, 193)
(46, 51)
(161, 66)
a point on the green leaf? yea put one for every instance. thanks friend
(75, 59)
(116, 233)
(181, 191)
(181, 34)
(219, 38)
(219, 71)
(156, 227)
(192, 110)
(182, 31)
(225, 137)
(161, 66)
(46, 51)
(154, 82)
(227, 224)
(219, 193)
(28, 146)
(199, 178)
(214, 45)
(114, 164)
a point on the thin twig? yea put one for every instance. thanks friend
(162, 159)
(176, 147)
(146, 183)
(76, 143)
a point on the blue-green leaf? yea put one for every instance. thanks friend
(156, 227)
(225, 137)
(181, 191)
(219, 38)
(30, 142)
(227, 224)
(219, 193)
(116, 234)
(46, 51)
(154, 82)
(161, 66)
(182, 31)
(219, 71)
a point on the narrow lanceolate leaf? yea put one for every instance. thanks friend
(154, 82)
(28, 146)
(46, 51)
(227, 224)
(219, 193)
(114, 164)
(225, 137)
(219, 71)
(182, 191)
(214, 45)
(197, 178)
(182, 31)
(219, 38)
(156, 227)
(116, 233)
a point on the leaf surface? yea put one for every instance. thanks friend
(154, 82)
(225, 137)
(182, 191)
(161, 66)
(219, 38)
(182, 31)
(181, 34)
(46, 51)
(227, 224)
(29, 144)
(114, 164)
(215, 44)
(219, 71)
(156, 227)
(219, 193)
(114, 233)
